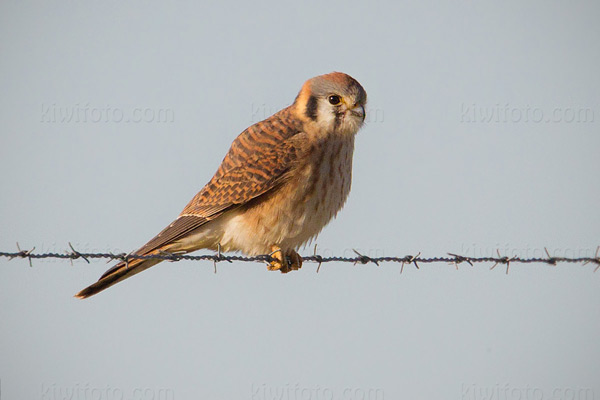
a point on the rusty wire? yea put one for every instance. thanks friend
(415, 260)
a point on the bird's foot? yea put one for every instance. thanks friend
(291, 261)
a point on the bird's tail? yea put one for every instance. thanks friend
(116, 274)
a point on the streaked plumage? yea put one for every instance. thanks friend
(281, 182)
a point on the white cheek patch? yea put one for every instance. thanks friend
(325, 116)
(328, 121)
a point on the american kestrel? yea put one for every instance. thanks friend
(281, 182)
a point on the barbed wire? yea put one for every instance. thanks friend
(415, 260)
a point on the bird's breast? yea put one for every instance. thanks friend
(316, 190)
(325, 180)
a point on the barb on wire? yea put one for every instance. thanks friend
(410, 260)
(551, 260)
(460, 259)
(23, 254)
(318, 258)
(364, 259)
(596, 258)
(506, 260)
(451, 258)
(77, 253)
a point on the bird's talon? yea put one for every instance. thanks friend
(276, 264)
(290, 262)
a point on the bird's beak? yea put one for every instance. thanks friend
(359, 111)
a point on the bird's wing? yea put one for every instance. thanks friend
(258, 162)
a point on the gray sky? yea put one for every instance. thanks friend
(482, 134)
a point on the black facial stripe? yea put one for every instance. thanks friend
(338, 120)
(311, 108)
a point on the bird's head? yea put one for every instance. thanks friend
(334, 103)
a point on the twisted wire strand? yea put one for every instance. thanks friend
(415, 260)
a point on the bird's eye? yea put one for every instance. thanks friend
(335, 100)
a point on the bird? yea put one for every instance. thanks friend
(281, 182)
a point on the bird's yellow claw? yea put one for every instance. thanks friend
(291, 261)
